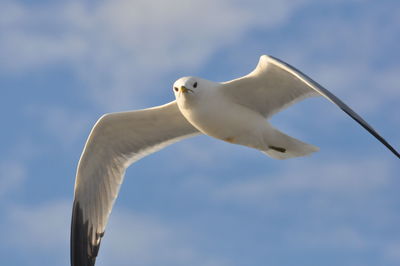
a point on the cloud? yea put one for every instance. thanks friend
(333, 190)
(345, 179)
(34, 36)
(131, 238)
(350, 55)
(134, 238)
(40, 232)
(123, 50)
(119, 47)
(65, 125)
(40, 228)
(313, 207)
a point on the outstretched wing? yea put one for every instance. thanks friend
(275, 85)
(116, 141)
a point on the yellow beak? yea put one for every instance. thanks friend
(184, 89)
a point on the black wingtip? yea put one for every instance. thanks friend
(366, 126)
(83, 252)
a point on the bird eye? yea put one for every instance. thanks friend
(176, 89)
(195, 85)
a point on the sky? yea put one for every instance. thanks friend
(201, 202)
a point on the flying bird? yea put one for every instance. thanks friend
(235, 111)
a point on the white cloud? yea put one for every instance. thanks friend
(345, 54)
(123, 49)
(130, 238)
(65, 125)
(39, 228)
(138, 239)
(118, 47)
(343, 204)
(344, 179)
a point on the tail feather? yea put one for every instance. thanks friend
(283, 146)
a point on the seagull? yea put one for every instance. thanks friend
(235, 111)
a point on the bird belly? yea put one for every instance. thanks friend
(229, 122)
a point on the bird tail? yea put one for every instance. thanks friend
(281, 146)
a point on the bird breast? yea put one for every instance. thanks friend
(224, 120)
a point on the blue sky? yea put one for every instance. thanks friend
(201, 202)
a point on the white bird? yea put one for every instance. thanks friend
(233, 111)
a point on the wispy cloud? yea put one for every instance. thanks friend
(342, 178)
(133, 238)
(124, 49)
(40, 228)
(65, 125)
(118, 47)
(353, 56)
(313, 206)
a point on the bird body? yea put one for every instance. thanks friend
(210, 107)
(239, 125)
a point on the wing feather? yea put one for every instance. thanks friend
(275, 85)
(116, 141)
(268, 88)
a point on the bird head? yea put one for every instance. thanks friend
(185, 86)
